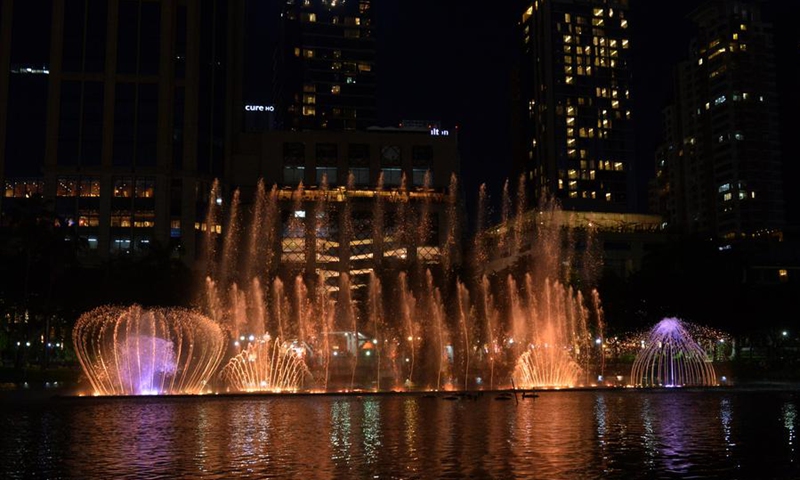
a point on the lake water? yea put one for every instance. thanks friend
(583, 434)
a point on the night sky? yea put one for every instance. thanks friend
(451, 60)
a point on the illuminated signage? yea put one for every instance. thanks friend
(435, 132)
(259, 108)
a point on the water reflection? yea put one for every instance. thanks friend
(372, 430)
(789, 419)
(726, 420)
(648, 436)
(558, 435)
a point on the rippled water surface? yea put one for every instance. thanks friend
(593, 434)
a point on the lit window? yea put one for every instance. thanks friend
(598, 12)
(309, 99)
(727, 197)
(570, 80)
(608, 197)
(783, 275)
(309, 111)
(624, 24)
(336, 89)
(308, 53)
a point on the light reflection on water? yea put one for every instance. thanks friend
(609, 434)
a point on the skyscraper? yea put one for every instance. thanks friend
(576, 82)
(118, 113)
(325, 72)
(719, 171)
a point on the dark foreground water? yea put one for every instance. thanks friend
(609, 434)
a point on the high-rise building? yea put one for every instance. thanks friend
(325, 71)
(118, 113)
(719, 170)
(576, 82)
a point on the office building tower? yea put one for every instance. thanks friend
(117, 112)
(576, 82)
(325, 69)
(719, 170)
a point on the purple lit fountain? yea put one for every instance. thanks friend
(669, 357)
(137, 351)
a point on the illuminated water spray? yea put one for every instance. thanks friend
(267, 366)
(137, 351)
(671, 358)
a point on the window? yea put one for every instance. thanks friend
(418, 177)
(390, 155)
(392, 176)
(360, 175)
(309, 111)
(90, 187)
(327, 154)
(422, 155)
(327, 174)
(67, 187)
(336, 89)
(175, 228)
(293, 175)
(121, 219)
(145, 186)
(144, 219)
(358, 154)
(293, 153)
(120, 245)
(123, 187)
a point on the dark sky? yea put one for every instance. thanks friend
(451, 60)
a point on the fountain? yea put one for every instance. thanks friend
(350, 290)
(267, 366)
(366, 282)
(137, 351)
(669, 357)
